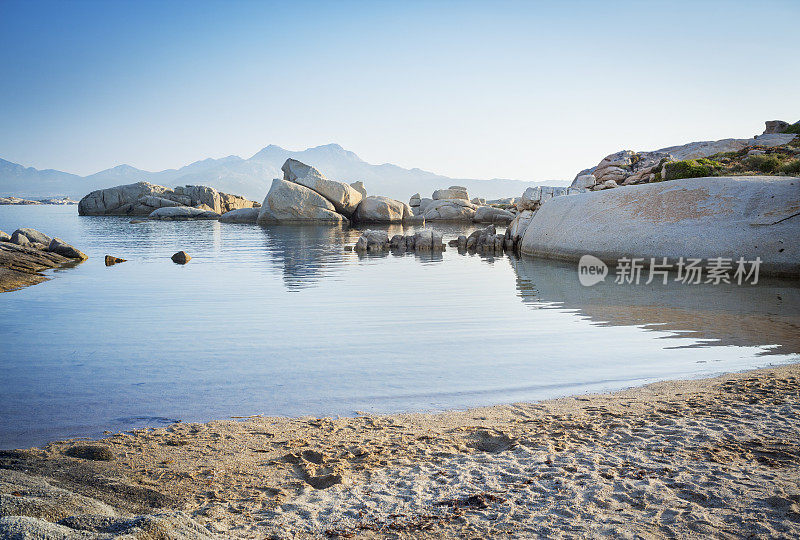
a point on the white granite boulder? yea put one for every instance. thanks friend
(453, 192)
(241, 215)
(449, 210)
(376, 209)
(344, 198)
(490, 214)
(288, 202)
(701, 218)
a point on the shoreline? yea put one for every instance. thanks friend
(718, 456)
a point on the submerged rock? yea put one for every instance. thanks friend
(182, 213)
(372, 241)
(111, 260)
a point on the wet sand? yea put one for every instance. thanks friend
(714, 457)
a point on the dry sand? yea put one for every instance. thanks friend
(715, 457)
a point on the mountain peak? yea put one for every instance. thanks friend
(268, 152)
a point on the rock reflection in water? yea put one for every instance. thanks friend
(766, 314)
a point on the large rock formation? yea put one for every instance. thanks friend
(288, 202)
(141, 198)
(375, 209)
(702, 218)
(344, 198)
(627, 167)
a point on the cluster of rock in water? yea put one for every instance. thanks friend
(453, 204)
(303, 195)
(483, 241)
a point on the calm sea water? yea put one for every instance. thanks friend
(283, 321)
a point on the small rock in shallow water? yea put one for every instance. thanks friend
(111, 260)
(348, 248)
(89, 451)
(181, 257)
(138, 221)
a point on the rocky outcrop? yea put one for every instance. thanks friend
(375, 209)
(343, 197)
(627, 167)
(17, 200)
(180, 213)
(141, 198)
(242, 215)
(775, 126)
(731, 217)
(25, 254)
(288, 202)
(5, 237)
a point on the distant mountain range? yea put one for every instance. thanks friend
(253, 177)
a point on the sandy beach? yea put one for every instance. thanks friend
(714, 457)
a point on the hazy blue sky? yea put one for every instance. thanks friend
(523, 90)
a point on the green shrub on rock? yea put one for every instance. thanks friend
(794, 128)
(691, 168)
(791, 168)
(764, 163)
